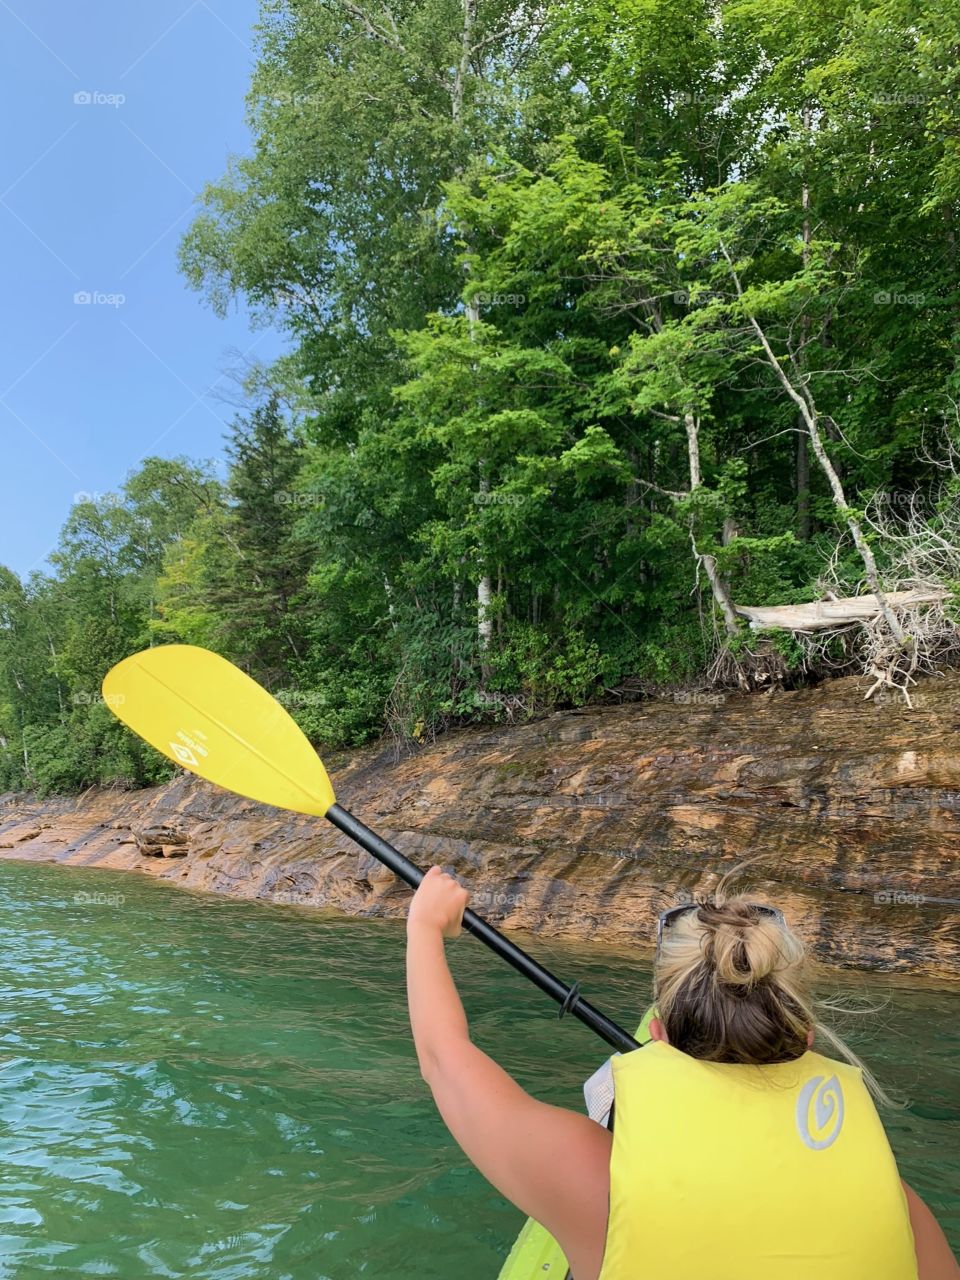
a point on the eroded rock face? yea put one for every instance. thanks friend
(587, 823)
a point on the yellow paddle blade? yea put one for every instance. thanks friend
(211, 718)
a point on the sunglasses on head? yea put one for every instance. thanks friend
(671, 914)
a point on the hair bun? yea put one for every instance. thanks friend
(741, 944)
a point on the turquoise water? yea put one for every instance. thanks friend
(191, 1086)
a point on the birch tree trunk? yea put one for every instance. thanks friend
(802, 471)
(484, 582)
(802, 397)
(717, 585)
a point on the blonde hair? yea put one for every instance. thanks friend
(732, 984)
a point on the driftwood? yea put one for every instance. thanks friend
(823, 615)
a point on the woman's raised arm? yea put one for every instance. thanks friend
(553, 1164)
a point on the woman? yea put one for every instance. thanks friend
(737, 1152)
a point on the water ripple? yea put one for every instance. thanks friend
(194, 1087)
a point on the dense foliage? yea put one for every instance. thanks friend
(603, 319)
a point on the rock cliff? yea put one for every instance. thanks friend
(586, 823)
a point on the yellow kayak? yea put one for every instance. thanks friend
(535, 1254)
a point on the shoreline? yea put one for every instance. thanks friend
(583, 825)
(593, 949)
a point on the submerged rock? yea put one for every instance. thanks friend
(586, 823)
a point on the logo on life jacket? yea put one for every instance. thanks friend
(819, 1124)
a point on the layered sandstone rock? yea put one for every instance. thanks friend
(586, 823)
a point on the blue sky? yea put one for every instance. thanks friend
(95, 193)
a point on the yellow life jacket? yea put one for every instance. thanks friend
(721, 1171)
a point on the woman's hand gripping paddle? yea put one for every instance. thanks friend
(210, 717)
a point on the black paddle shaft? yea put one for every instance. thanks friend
(567, 997)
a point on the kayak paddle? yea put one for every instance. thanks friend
(210, 717)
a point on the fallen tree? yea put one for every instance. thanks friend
(823, 615)
(839, 633)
